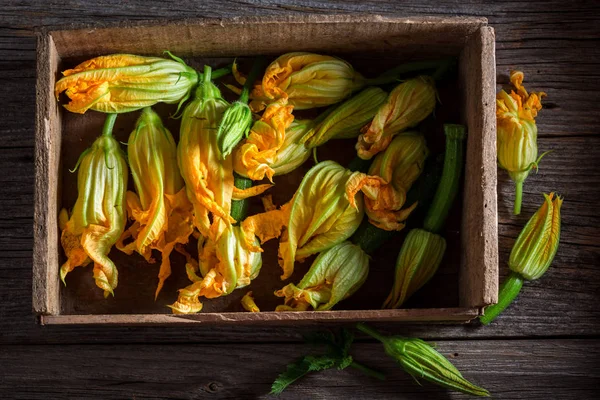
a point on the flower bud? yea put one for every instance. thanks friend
(537, 243)
(235, 124)
(307, 80)
(121, 83)
(346, 120)
(98, 218)
(161, 211)
(421, 360)
(334, 275)
(418, 261)
(225, 264)
(407, 105)
(324, 211)
(400, 165)
(517, 133)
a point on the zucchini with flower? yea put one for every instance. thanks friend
(407, 105)
(423, 249)
(208, 177)
(98, 217)
(531, 255)
(517, 133)
(160, 209)
(120, 83)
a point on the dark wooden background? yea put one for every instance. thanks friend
(545, 346)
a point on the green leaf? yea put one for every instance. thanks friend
(301, 367)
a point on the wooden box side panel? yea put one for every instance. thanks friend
(270, 317)
(47, 159)
(268, 35)
(479, 265)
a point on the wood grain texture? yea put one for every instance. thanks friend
(565, 368)
(478, 287)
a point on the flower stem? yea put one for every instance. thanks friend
(370, 331)
(518, 197)
(368, 371)
(218, 73)
(509, 290)
(257, 67)
(109, 123)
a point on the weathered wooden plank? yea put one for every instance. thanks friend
(558, 369)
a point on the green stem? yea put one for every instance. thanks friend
(257, 68)
(218, 73)
(239, 208)
(109, 124)
(509, 290)
(518, 197)
(369, 237)
(450, 181)
(207, 74)
(393, 74)
(368, 371)
(370, 331)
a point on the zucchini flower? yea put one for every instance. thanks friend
(419, 259)
(324, 211)
(254, 157)
(225, 264)
(335, 274)
(292, 153)
(421, 360)
(161, 211)
(237, 119)
(98, 218)
(517, 133)
(423, 249)
(307, 80)
(248, 303)
(346, 120)
(121, 83)
(208, 177)
(407, 105)
(400, 165)
(531, 255)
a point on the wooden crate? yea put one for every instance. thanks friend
(371, 40)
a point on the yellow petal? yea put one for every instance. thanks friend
(249, 304)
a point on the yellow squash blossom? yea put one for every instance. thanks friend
(208, 176)
(531, 255)
(517, 132)
(292, 153)
(325, 210)
(248, 303)
(161, 211)
(121, 83)
(225, 264)
(346, 120)
(254, 156)
(399, 165)
(419, 259)
(334, 275)
(98, 218)
(407, 105)
(307, 80)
